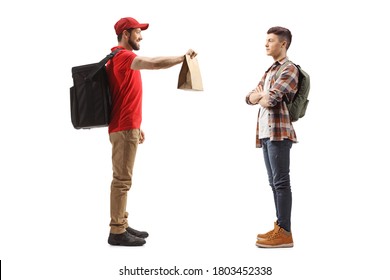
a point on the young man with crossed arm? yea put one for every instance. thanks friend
(275, 133)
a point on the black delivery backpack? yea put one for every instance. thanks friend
(90, 98)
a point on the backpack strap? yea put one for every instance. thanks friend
(102, 63)
(282, 67)
(279, 72)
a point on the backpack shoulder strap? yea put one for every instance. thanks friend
(277, 75)
(282, 67)
(109, 56)
(102, 63)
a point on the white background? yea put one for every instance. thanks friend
(200, 187)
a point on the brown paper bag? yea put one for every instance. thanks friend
(189, 76)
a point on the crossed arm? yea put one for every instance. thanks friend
(287, 83)
(258, 96)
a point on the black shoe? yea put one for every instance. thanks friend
(140, 234)
(125, 239)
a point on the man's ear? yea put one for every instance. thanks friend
(126, 33)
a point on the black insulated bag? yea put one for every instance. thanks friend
(90, 98)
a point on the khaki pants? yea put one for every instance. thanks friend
(124, 148)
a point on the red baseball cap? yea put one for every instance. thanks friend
(127, 23)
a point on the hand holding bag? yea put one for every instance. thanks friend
(189, 76)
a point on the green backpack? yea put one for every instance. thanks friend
(297, 107)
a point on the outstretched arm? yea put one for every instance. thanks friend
(162, 62)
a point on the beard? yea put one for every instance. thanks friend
(133, 44)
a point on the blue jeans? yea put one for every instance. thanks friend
(277, 161)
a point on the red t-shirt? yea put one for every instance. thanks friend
(126, 91)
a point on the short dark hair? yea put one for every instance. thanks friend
(283, 34)
(120, 34)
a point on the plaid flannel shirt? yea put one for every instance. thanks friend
(284, 87)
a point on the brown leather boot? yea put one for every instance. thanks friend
(279, 239)
(268, 234)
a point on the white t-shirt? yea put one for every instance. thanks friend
(264, 129)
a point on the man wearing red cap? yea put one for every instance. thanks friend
(125, 126)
